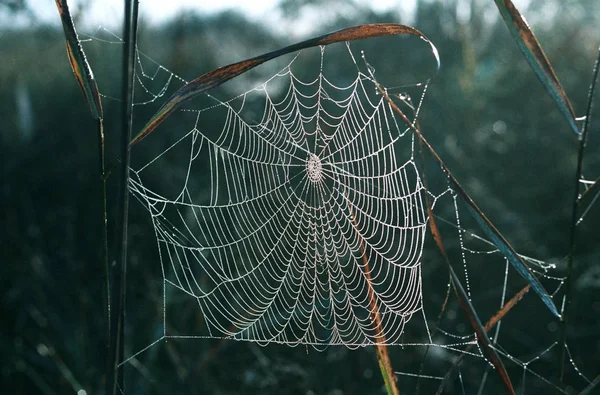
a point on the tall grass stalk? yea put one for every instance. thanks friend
(119, 269)
(102, 164)
(575, 212)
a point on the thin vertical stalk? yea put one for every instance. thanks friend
(575, 213)
(383, 358)
(102, 164)
(116, 375)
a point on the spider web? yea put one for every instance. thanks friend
(314, 221)
(297, 215)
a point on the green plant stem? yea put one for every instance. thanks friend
(102, 165)
(115, 375)
(575, 214)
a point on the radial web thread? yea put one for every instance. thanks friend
(314, 221)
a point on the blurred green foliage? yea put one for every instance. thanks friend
(485, 113)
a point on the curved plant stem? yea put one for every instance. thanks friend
(575, 213)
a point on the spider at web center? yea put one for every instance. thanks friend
(314, 168)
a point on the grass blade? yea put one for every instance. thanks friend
(469, 310)
(507, 250)
(575, 210)
(488, 326)
(482, 336)
(506, 308)
(79, 63)
(536, 58)
(217, 77)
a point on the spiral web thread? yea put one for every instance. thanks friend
(314, 223)
(301, 218)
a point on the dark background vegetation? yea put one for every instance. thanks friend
(486, 114)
